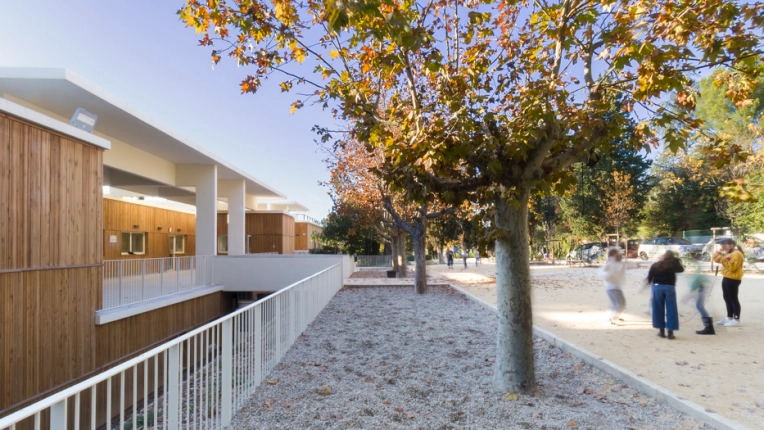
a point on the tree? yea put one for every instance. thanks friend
(492, 102)
(619, 202)
(344, 232)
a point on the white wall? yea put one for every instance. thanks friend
(273, 272)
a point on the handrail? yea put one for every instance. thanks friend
(62, 396)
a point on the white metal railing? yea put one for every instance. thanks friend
(374, 261)
(133, 281)
(306, 218)
(199, 380)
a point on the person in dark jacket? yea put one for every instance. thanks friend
(662, 278)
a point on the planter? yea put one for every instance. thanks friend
(391, 273)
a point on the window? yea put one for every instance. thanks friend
(177, 244)
(133, 243)
(662, 242)
(223, 244)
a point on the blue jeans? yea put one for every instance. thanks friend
(665, 313)
(700, 301)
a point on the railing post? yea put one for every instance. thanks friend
(58, 416)
(258, 345)
(161, 275)
(173, 388)
(177, 275)
(143, 279)
(277, 328)
(227, 380)
(119, 300)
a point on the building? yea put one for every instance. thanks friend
(109, 240)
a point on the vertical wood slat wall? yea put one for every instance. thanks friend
(50, 258)
(51, 252)
(270, 232)
(303, 231)
(122, 216)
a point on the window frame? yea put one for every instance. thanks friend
(130, 235)
(174, 243)
(222, 238)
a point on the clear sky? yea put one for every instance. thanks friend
(139, 51)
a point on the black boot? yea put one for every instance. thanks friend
(671, 334)
(661, 333)
(708, 326)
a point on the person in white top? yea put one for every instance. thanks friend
(614, 274)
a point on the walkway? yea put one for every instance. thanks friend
(724, 373)
(385, 357)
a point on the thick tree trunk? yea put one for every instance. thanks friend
(403, 264)
(513, 371)
(394, 251)
(441, 260)
(420, 257)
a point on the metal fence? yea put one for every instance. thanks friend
(132, 281)
(374, 261)
(199, 380)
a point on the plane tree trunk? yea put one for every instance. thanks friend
(513, 371)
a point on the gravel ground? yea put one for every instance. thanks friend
(386, 358)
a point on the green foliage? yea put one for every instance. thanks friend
(342, 234)
(582, 209)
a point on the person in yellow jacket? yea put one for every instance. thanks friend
(731, 258)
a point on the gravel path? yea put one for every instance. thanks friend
(386, 358)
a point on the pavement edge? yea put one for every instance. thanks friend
(639, 383)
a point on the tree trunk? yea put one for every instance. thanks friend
(513, 371)
(440, 253)
(420, 257)
(403, 264)
(394, 251)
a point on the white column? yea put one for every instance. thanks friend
(204, 177)
(235, 191)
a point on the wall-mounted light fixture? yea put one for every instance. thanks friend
(135, 226)
(84, 120)
(159, 228)
(178, 230)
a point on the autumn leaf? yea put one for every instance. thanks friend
(572, 425)
(511, 396)
(325, 390)
(272, 381)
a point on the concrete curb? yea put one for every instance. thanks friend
(639, 383)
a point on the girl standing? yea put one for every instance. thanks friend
(662, 277)
(731, 258)
(614, 274)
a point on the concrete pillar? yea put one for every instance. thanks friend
(235, 190)
(204, 177)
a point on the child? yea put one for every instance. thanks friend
(731, 258)
(614, 274)
(700, 286)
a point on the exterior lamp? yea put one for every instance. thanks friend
(84, 120)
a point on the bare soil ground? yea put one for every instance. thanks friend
(724, 373)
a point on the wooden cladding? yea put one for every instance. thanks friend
(47, 335)
(50, 198)
(302, 240)
(48, 339)
(269, 232)
(122, 216)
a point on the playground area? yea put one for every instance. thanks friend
(723, 373)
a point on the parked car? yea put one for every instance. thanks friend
(654, 248)
(752, 246)
(634, 248)
(589, 252)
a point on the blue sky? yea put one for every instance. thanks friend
(140, 52)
